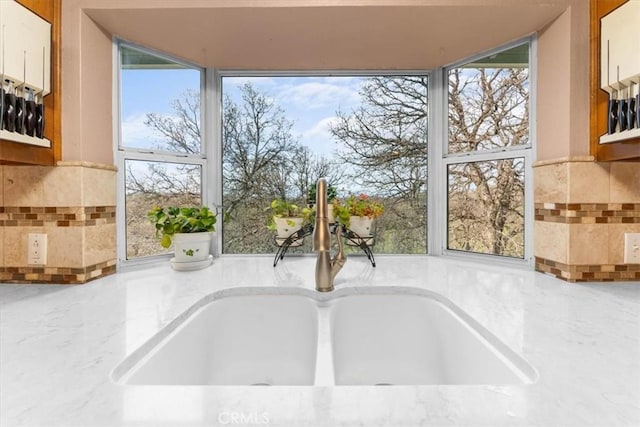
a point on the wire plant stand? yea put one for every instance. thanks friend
(352, 239)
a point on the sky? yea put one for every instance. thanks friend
(310, 102)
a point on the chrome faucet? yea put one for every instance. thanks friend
(326, 268)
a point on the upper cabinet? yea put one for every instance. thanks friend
(25, 73)
(615, 79)
(26, 26)
(620, 48)
(25, 47)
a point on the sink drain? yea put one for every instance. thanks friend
(383, 384)
(262, 384)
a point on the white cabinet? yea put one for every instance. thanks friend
(25, 73)
(620, 47)
(25, 47)
(620, 71)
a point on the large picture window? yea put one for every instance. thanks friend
(488, 152)
(366, 134)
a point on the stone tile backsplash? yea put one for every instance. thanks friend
(582, 211)
(74, 204)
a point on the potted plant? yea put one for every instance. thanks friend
(357, 213)
(331, 196)
(286, 219)
(189, 229)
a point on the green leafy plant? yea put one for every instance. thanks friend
(362, 206)
(280, 208)
(171, 220)
(331, 194)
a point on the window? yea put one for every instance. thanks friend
(160, 151)
(366, 134)
(488, 152)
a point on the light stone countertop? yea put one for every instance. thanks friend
(58, 345)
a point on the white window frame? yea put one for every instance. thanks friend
(210, 158)
(440, 159)
(314, 73)
(122, 153)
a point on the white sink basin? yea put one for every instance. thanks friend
(239, 340)
(412, 340)
(353, 336)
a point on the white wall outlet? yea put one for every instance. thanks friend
(632, 248)
(37, 249)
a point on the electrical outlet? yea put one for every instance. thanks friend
(37, 249)
(632, 248)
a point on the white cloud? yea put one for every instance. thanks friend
(257, 81)
(320, 95)
(318, 138)
(344, 80)
(135, 133)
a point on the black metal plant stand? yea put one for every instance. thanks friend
(352, 239)
(362, 242)
(283, 247)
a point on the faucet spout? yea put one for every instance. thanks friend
(326, 268)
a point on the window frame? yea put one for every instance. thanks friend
(445, 158)
(221, 73)
(210, 158)
(122, 153)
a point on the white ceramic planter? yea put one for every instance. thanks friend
(192, 247)
(285, 227)
(361, 225)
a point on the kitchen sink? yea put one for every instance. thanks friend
(368, 336)
(237, 340)
(413, 340)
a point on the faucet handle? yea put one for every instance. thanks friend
(340, 258)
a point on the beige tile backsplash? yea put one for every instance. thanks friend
(616, 241)
(588, 244)
(100, 242)
(554, 244)
(2, 262)
(73, 187)
(59, 201)
(546, 183)
(66, 246)
(625, 182)
(588, 182)
(23, 186)
(595, 204)
(63, 187)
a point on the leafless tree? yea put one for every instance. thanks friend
(308, 167)
(179, 132)
(488, 110)
(382, 147)
(385, 139)
(385, 143)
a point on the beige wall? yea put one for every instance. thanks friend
(563, 86)
(320, 35)
(554, 93)
(87, 127)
